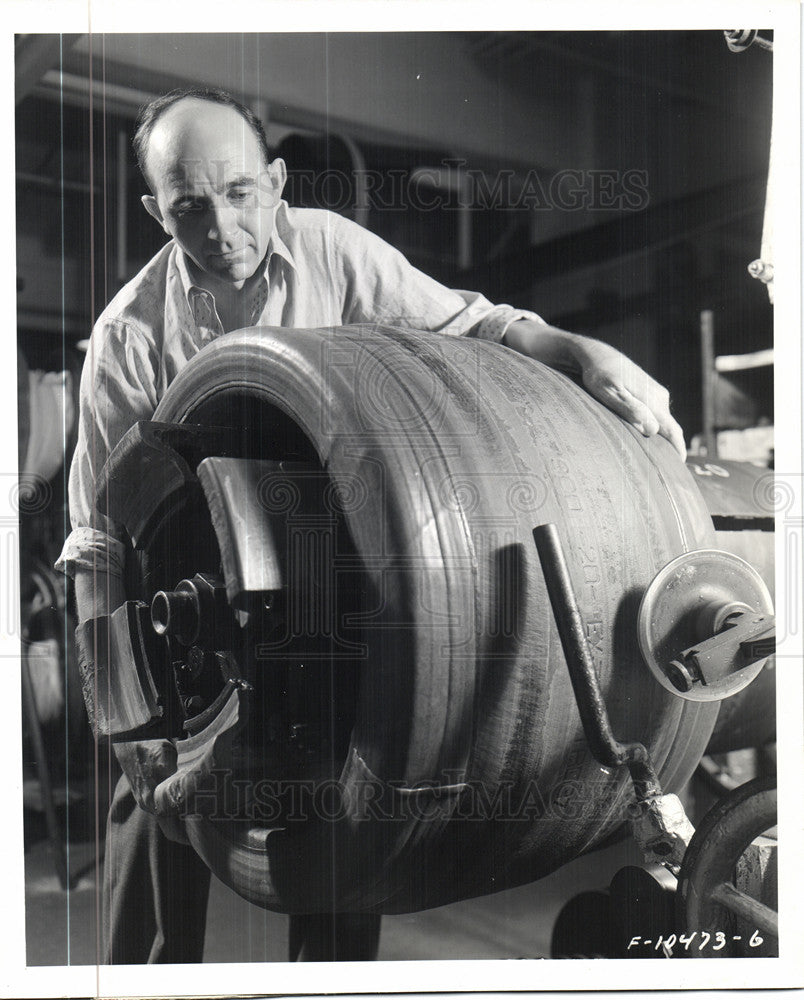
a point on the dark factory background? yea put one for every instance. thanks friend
(612, 181)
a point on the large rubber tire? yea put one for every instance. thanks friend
(453, 450)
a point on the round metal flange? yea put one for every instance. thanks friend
(688, 601)
(707, 900)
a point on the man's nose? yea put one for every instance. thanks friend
(223, 222)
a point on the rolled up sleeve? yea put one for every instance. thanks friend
(495, 323)
(89, 548)
(117, 389)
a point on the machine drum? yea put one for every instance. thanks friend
(362, 701)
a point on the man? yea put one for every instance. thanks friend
(239, 256)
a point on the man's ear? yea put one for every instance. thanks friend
(279, 174)
(151, 206)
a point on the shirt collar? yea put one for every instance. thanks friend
(276, 245)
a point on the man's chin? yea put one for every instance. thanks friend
(233, 272)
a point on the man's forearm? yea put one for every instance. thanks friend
(607, 374)
(97, 593)
(549, 344)
(558, 348)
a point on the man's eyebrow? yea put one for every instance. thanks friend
(183, 199)
(178, 174)
(244, 180)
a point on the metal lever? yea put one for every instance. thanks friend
(592, 708)
(658, 822)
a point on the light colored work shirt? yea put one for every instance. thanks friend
(320, 270)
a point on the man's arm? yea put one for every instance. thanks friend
(117, 389)
(382, 286)
(607, 375)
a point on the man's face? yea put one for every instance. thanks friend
(214, 193)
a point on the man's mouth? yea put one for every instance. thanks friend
(230, 256)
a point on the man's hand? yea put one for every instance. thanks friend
(606, 373)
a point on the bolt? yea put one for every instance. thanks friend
(192, 705)
(175, 612)
(679, 676)
(761, 270)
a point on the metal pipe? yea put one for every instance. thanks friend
(112, 93)
(122, 205)
(708, 375)
(455, 181)
(751, 910)
(592, 708)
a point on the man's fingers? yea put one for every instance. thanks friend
(646, 420)
(630, 392)
(671, 430)
(626, 405)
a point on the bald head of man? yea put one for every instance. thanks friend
(214, 191)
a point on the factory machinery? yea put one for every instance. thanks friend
(412, 619)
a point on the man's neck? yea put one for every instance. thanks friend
(232, 303)
(224, 290)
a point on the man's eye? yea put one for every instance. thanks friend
(188, 208)
(240, 195)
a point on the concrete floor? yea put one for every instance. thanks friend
(62, 927)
